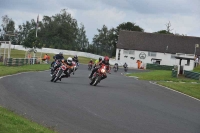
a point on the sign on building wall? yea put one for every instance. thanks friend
(142, 55)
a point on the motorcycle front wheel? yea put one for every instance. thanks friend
(53, 77)
(58, 75)
(97, 79)
(92, 81)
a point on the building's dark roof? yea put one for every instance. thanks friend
(157, 42)
(184, 58)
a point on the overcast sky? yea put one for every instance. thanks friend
(151, 15)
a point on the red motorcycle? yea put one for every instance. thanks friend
(97, 76)
(89, 66)
(58, 73)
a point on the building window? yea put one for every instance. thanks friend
(188, 62)
(131, 52)
(153, 54)
(125, 52)
(173, 56)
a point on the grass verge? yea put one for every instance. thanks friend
(191, 89)
(5, 70)
(181, 83)
(197, 69)
(12, 123)
(160, 75)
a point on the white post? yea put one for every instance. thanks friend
(9, 45)
(4, 54)
(36, 33)
(34, 55)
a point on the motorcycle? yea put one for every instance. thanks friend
(125, 69)
(76, 65)
(97, 76)
(115, 68)
(74, 68)
(58, 73)
(56, 63)
(90, 66)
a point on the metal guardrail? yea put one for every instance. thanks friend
(16, 61)
(159, 67)
(192, 75)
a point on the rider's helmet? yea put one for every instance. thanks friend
(100, 59)
(69, 60)
(106, 59)
(60, 53)
(75, 56)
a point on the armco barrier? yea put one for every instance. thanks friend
(158, 67)
(16, 61)
(174, 73)
(192, 75)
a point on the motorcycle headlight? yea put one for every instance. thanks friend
(103, 70)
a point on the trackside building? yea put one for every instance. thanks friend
(156, 49)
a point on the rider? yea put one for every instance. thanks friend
(90, 62)
(116, 64)
(125, 65)
(69, 65)
(97, 61)
(105, 62)
(58, 57)
(75, 59)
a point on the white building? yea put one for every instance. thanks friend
(156, 48)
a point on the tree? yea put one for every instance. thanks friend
(163, 32)
(8, 26)
(129, 26)
(167, 31)
(58, 31)
(124, 26)
(106, 39)
(32, 41)
(82, 40)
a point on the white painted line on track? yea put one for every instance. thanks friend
(173, 90)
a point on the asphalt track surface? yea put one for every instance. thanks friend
(118, 104)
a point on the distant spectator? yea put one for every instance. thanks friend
(29, 55)
(48, 58)
(45, 58)
(139, 63)
(196, 62)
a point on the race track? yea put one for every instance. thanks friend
(118, 104)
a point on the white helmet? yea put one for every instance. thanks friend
(69, 60)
